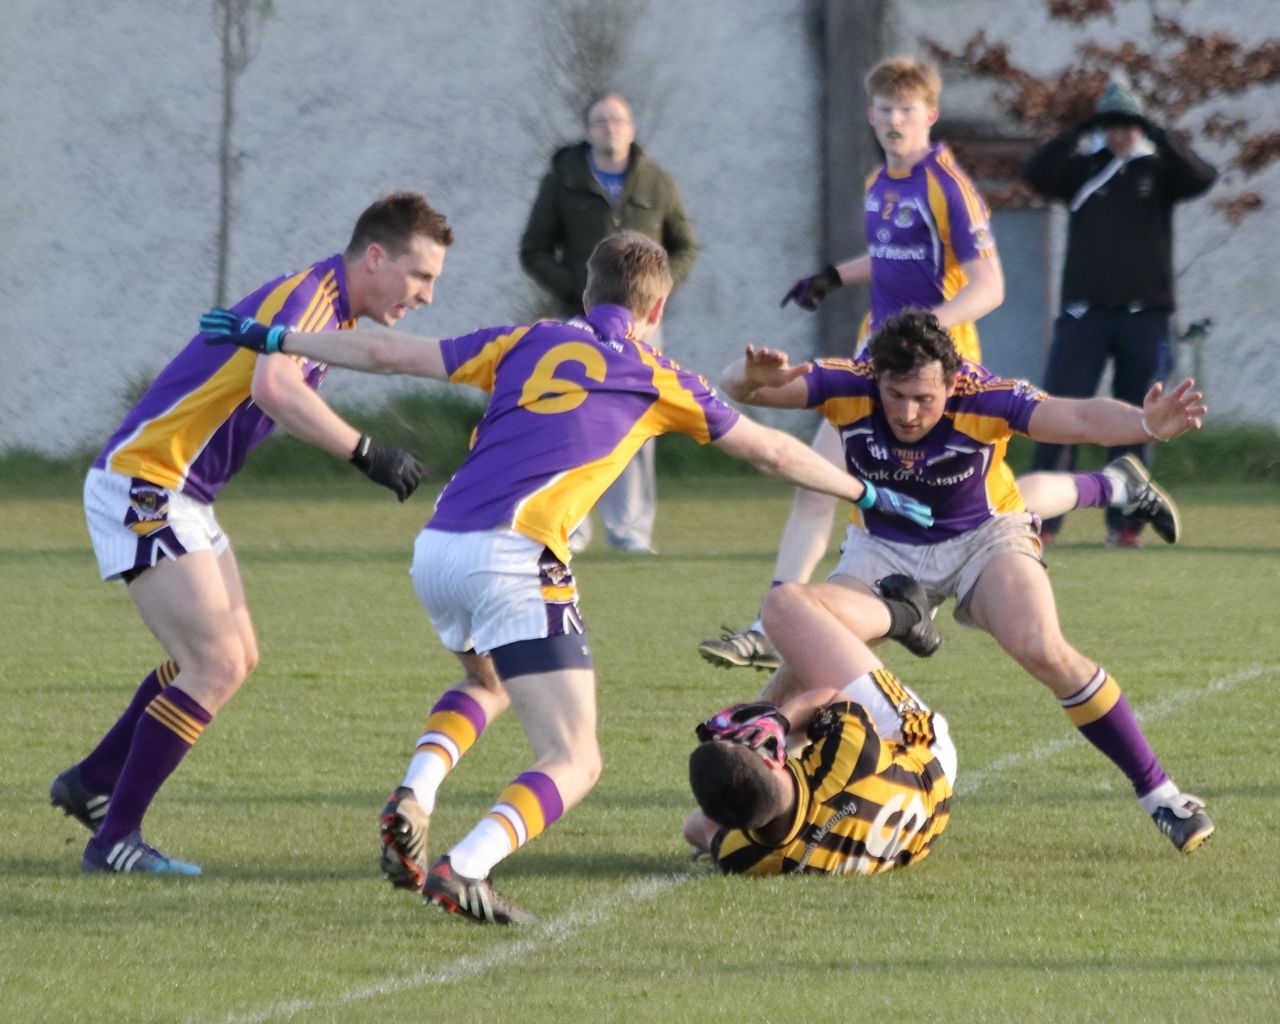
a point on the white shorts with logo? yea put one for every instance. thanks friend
(490, 588)
(888, 719)
(949, 568)
(133, 523)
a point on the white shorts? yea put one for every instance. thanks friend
(949, 568)
(888, 719)
(490, 588)
(132, 523)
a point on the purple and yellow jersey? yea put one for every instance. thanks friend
(196, 423)
(866, 805)
(571, 403)
(958, 468)
(920, 228)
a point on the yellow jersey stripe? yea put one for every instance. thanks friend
(481, 370)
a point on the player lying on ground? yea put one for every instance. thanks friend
(571, 402)
(870, 790)
(913, 413)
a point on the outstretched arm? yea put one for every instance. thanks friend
(371, 349)
(1104, 421)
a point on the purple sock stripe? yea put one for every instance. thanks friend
(462, 704)
(101, 767)
(546, 793)
(187, 705)
(1118, 735)
(1094, 490)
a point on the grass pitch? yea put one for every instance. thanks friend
(1051, 897)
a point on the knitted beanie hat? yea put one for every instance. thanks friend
(1118, 105)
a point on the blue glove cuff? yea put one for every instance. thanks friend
(868, 498)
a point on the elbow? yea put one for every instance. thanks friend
(385, 356)
(774, 459)
(996, 295)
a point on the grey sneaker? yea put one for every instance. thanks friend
(1147, 502)
(749, 648)
(403, 827)
(69, 793)
(473, 898)
(1184, 820)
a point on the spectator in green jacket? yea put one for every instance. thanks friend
(597, 187)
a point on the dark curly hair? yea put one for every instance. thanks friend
(909, 340)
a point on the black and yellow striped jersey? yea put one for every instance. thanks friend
(866, 804)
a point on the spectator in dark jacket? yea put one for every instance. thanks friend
(1120, 176)
(597, 187)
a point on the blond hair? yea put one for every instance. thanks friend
(897, 76)
(628, 269)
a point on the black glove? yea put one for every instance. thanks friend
(392, 467)
(809, 291)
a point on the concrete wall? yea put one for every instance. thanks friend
(108, 129)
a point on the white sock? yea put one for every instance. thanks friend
(426, 772)
(1119, 487)
(480, 849)
(1159, 796)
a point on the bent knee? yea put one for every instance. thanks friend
(1048, 658)
(592, 767)
(251, 659)
(783, 601)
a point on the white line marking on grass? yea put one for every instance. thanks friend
(538, 940)
(1162, 708)
(559, 930)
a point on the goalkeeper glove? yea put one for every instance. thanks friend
(809, 291)
(760, 726)
(225, 327)
(891, 503)
(383, 464)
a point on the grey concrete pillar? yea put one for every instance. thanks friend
(853, 40)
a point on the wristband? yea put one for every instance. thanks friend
(1149, 432)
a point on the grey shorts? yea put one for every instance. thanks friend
(949, 568)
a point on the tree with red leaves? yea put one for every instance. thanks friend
(1178, 75)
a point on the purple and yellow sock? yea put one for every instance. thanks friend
(527, 808)
(453, 726)
(168, 728)
(100, 770)
(1103, 716)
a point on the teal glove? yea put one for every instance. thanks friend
(223, 327)
(891, 503)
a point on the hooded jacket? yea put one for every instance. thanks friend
(572, 214)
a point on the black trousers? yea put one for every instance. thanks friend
(1137, 344)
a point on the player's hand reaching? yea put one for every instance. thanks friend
(225, 327)
(891, 503)
(1165, 417)
(809, 291)
(770, 368)
(384, 464)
